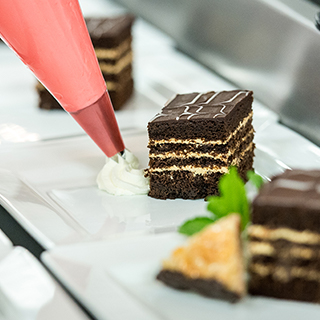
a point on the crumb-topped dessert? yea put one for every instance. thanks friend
(210, 263)
(112, 42)
(195, 139)
(285, 237)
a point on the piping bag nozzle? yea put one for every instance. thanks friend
(99, 122)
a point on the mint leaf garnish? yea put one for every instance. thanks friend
(232, 198)
(195, 225)
(255, 179)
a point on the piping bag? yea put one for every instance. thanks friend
(52, 39)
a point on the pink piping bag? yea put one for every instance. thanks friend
(51, 38)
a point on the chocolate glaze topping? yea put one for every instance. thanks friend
(298, 186)
(198, 106)
(106, 32)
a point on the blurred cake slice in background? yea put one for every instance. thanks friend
(284, 238)
(112, 41)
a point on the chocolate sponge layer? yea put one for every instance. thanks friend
(186, 185)
(210, 288)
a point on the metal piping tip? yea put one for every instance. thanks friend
(123, 153)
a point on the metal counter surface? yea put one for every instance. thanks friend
(269, 46)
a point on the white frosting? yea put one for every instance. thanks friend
(121, 176)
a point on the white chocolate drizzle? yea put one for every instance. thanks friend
(198, 112)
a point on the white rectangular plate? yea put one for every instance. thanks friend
(50, 188)
(27, 291)
(115, 279)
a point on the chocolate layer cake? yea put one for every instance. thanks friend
(210, 263)
(195, 139)
(285, 237)
(112, 39)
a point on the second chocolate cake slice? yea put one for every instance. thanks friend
(112, 41)
(285, 237)
(195, 139)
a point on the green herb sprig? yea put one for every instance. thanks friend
(232, 199)
(255, 179)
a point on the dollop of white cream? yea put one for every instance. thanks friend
(122, 176)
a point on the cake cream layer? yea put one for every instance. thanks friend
(120, 77)
(202, 141)
(111, 85)
(205, 157)
(303, 237)
(187, 185)
(117, 85)
(190, 168)
(119, 81)
(285, 273)
(278, 252)
(121, 94)
(184, 154)
(114, 53)
(198, 169)
(121, 64)
(284, 253)
(113, 80)
(40, 87)
(202, 160)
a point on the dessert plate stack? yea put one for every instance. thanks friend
(28, 291)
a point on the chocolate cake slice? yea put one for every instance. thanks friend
(195, 139)
(210, 263)
(285, 237)
(112, 41)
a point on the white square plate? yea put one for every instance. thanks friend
(27, 291)
(115, 279)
